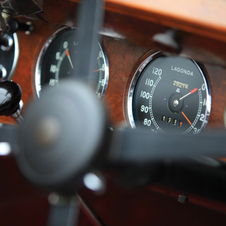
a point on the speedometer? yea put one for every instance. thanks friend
(57, 58)
(169, 94)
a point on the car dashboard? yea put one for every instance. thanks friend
(127, 39)
(124, 57)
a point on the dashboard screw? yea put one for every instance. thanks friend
(183, 198)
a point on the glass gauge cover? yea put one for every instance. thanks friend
(57, 59)
(169, 94)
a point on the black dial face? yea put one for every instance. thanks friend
(169, 94)
(57, 61)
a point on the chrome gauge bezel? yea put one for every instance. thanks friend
(43, 51)
(16, 55)
(11, 53)
(136, 77)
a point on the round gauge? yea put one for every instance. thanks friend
(169, 94)
(57, 59)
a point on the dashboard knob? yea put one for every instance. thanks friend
(27, 27)
(10, 96)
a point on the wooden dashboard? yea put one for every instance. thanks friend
(124, 57)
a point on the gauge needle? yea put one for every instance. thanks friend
(186, 118)
(69, 58)
(193, 91)
(96, 70)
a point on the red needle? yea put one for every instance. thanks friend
(69, 58)
(193, 91)
(67, 52)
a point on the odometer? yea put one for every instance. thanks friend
(57, 58)
(169, 94)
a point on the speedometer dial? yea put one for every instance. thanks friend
(57, 59)
(169, 94)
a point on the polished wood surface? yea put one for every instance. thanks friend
(124, 57)
(29, 47)
(204, 18)
(21, 203)
(195, 16)
(200, 24)
(151, 206)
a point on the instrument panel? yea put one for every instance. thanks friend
(123, 59)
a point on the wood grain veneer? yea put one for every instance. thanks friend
(124, 57)
(200, 24)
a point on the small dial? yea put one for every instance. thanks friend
(57, 58)
(169, 94)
